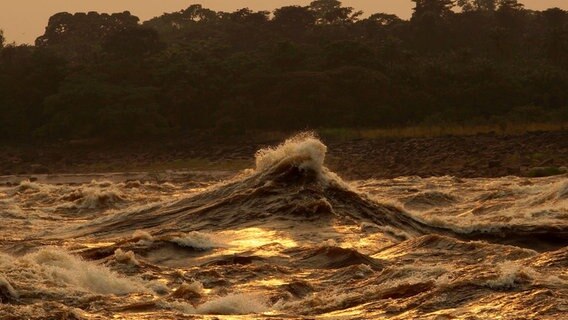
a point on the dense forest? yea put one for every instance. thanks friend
(109, 76)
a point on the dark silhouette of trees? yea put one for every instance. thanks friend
(509, 5)
(322, 65)
(437, 9)
(384, 19)
(477, 5)
(294, 18)
(331, 12)
(78, 36)
(430, 19)
(65, 28)
(196, 13)
(133, 42)
(556, 35)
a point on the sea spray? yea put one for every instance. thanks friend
(303, 150)
(258, 244)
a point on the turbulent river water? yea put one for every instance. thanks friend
(286, 240)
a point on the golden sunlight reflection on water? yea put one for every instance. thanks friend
(252, 238)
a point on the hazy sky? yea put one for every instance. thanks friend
(24, 20)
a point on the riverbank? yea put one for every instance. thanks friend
(480, 155)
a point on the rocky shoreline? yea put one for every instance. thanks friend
(483, 155)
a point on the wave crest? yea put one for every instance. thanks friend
(304, 151)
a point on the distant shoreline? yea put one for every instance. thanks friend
(352, 154)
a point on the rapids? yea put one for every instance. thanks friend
(288, 239)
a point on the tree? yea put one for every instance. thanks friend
(287, 56)
(101, 75)
(510, 5)
(430, 22)
(196, 13)
(331, 12)
(247, 16)
(436, 8)
(65, 28)
(556, 38)
(79, 36)
(510, 16)
(27, 76)
(347, 53)
(86, 107)
(294, 18)
(477, 5)
(192, 22)
(2, 39)
(133, 42)
(384, 19)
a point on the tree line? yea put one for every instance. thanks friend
(318, 66)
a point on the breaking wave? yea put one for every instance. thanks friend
(287, 238)
(52, 271)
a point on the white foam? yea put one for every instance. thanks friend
(184, 307)
(306, 151)
(194, 288)
(55, 271)
(510, 274)
(127, 257)
(69, 269)
(489, 205)
(142, 236)
(329, 243)
(234, 304)
(28, 185)
(199, 240)
(94, 198)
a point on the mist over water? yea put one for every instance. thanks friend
(286, 239)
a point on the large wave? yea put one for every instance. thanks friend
(291, 183)
(288, 237)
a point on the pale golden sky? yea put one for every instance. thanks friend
(24, 20)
